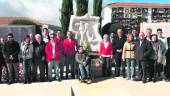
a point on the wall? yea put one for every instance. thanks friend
(154, 26)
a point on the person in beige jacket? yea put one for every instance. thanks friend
(128, 56)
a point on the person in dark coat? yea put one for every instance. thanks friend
(142, 55)
(135, 34)
(38, 58)
(118, 44)
(168, 60)
(155, 57)
(11, 51)
(2, 61)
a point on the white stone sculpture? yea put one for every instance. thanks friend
(86, 30)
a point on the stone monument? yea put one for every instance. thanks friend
(86, 30)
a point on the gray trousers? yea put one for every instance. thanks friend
(13, 71)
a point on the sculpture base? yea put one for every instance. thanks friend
(96, 66)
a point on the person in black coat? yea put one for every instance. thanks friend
(2, 61)
(11, 51)
(118, 44)
(38, 59)
(168, 61)
(142, 55)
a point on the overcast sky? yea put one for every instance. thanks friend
(47, 11)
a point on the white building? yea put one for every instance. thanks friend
(127, 13)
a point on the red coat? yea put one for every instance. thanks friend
(59, 41)
(69, 47)
(48, 51)
(106, 51)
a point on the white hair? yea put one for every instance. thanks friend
(105, 36)
(37, 35)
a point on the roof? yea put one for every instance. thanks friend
(129, 4)
(8, 20)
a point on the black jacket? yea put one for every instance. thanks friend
(118, 43)
(144, 51)
(13, 49)
(2, 61)
(39, 50)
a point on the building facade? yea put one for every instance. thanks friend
(132, 14)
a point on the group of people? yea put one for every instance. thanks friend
(42, 57)
(136, 56)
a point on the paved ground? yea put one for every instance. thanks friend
(101, 87)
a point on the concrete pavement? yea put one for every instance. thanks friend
(101, 87)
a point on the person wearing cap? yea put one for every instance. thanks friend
(106, 55)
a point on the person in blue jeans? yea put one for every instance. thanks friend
(27, 55)
(82, 59)
(128, 55)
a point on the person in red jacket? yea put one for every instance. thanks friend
(106, 55)
(53, 53)
(70, 48)
(59, 41)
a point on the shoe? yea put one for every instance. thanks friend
(89, 81)
(167, 79)
(49, 80)
(25, 82)
(72, 77)
(132, 79)
(144, 81)
(128, 78)
(62, 77)
(154, 80)
(29, 81)
(66, 77)
(124, 76)
(82, 81)
(150, 79)
(58, 79)
(10, 82)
